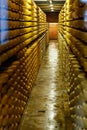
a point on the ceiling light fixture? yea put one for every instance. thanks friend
(51, 5)
(52, 10)
(50, 1)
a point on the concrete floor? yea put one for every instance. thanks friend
(47, 107)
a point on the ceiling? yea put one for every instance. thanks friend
(50, 5)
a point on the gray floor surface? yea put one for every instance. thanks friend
(47, 106)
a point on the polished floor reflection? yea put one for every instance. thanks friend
(47, 104)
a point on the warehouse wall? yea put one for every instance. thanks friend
(23, 40)
(53, 31)
(52, 19)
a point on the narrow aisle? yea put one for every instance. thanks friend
(45, 108)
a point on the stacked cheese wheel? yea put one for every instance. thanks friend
(73, 57)
(22, 46)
